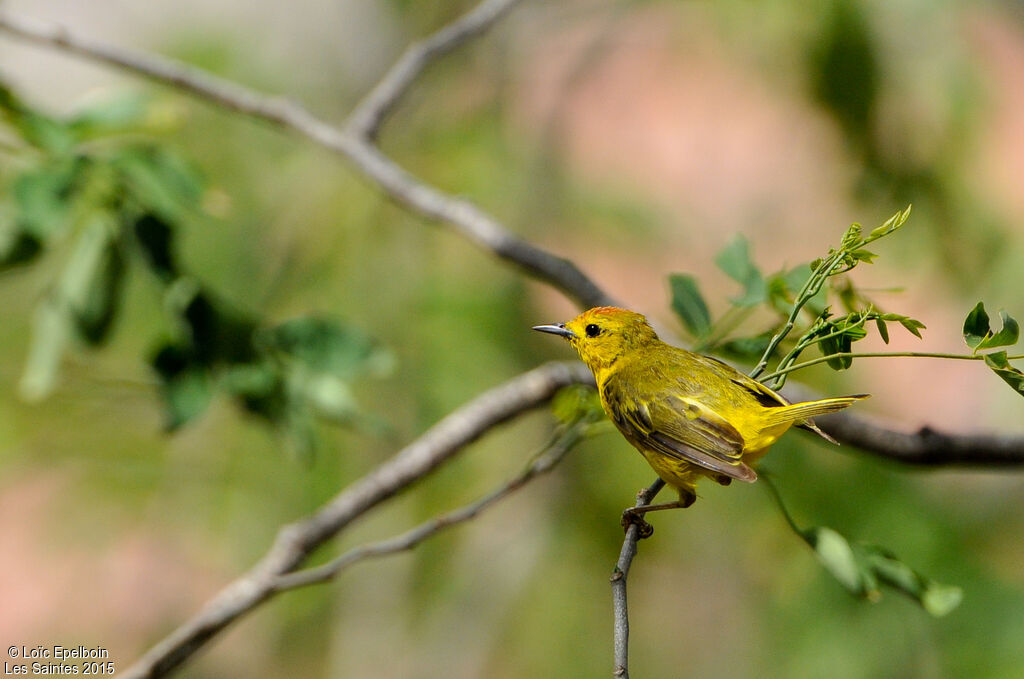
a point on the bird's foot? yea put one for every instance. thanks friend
(631, 517)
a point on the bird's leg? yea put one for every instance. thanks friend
(636, 514)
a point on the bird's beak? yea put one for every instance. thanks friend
(559, 329)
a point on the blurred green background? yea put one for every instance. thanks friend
(636, 138)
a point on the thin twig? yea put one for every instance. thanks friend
(542, 463)
(295, 542)
(877, 354)
(463, 216)
(618, 579)
(372, 111)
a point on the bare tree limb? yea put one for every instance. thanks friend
(296, 541)
(619, 575)
(542, 463)
(464, 217)
(925, 447)
(372, 111)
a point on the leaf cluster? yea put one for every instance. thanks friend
(978, 335)
(99, 195)
(798, 301)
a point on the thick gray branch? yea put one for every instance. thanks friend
(463, 216)
(925, 447)
(296, 541)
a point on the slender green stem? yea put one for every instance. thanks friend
(810, 289)
(769, 483)
(882, 354)
(805, 342)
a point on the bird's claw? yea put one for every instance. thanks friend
(631, 518)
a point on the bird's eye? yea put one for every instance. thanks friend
(592, 330)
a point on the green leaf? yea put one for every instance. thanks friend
(154, 236)
(1000, 364)
(43, 196)
(41, 131)
(735, 261)
(1006, 336)
(861, 569)
(260, 389)
(836, 345)
(937, 599)
(327, 345)
(217, 333)
(890, 225)
(328, 395)
(45, 133)
(976, 326)
(913, 326)
(92, 281)
(852, 237)
(16, 246)
(689, 305)
(837, 556)
(251, 380)
(864, 256)
(883, 331)
(185, 385)
(119, 113)
(50, 332)
(160, 181)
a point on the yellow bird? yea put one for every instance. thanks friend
(689, 415)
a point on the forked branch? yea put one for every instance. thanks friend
(295, 542)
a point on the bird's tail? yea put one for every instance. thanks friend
(801, 413)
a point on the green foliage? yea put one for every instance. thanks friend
(121, 204)
(1000, 364)
(735, 261)
(799, 298)
(978, 335)
(689, 305)
(862, 569)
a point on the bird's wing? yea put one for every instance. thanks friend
(683, 428)
(766, 397)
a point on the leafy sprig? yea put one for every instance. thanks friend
(97, 191)
(863, 568)
(800, 298)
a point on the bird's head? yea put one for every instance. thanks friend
(603, 334)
